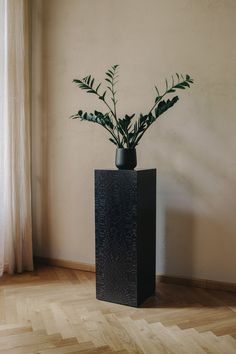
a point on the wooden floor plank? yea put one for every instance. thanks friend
(55, 311)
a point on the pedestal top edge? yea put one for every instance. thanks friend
(116, 170)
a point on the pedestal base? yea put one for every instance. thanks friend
(125, 218)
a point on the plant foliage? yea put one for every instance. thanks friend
(126, 132)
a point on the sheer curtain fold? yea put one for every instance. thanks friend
(15, 204)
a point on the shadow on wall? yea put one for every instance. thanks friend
(179, 242)
(175, 229)
(40, 146)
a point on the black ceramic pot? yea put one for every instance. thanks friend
(126, 159)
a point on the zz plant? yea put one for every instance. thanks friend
(126, 132)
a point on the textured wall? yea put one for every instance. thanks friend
(193, 146)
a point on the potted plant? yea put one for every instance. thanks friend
(126, 132)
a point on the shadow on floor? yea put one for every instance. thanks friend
(180, 296)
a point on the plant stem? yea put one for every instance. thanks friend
(167, 91)
(113, 95)
(113, 135)
(159, 99)
(115, 117)
(117, 123)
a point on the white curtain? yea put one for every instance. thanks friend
(15, 183)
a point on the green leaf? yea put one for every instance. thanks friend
(185, 83)
(173, 80)
(103, 96)
(74, 116)
(166, 84)
(113, 141)
(180, 86)
(98, 87)
(108, 80)
(157, 99)
(157, 91)
(163, 106)
(108, 74)
(88, 80)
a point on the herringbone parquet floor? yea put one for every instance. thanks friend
(54, 311)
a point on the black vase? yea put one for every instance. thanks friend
(126, 159)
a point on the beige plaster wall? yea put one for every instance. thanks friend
(193, 146)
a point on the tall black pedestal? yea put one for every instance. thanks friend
(125, 218)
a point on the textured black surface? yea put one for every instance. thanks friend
(125, 218)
